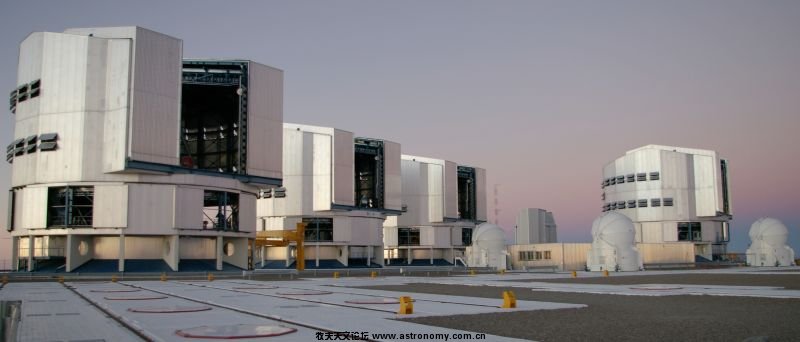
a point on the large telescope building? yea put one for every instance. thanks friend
(672, 194)
(343, 187)
(127, 157)
(443, 202)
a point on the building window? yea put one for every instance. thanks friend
(220, 210)
(642, 203)
(538, 255)
(408, 236)
(630, 178)
(654, 176)
(689, 231)
(620, 179)
(318, 228)
(70, 206)
(466, 236)
(612, 181)
(668, 202)
(621, 205)
(641, 177)
(547, 255)
(655, 202)
(632, 204)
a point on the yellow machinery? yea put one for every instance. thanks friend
(282, 238)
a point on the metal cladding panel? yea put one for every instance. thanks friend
(705, 191)
(110, 206)
(342, 228)
(34, 207)
(480, 193)
(197, 248)
(265, 121)
(666, 253)
(415, 194)
(435, 190)
(441, 237)
(322, 152)
(426, 236)
(344, 168)
(156, 98)
(390, 236)
(19, 197)
(247, 213)
(107, 247)
(297, 156)
(451, 189)
(117, 96)
(393, 191)
(151, 209)
(188, 204)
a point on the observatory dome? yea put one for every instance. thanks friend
(613, 245)
(768, 244)
(769, 230)
(488, 247)
(614, 228)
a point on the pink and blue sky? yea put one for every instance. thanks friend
(540, 93)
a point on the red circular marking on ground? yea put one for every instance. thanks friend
(304, 293)
(235, 331)
(136, 298)
(169, 309)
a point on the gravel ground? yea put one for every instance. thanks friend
(623, 318)
(788, 281)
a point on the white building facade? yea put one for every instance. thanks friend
(672, 194)
(343, 187)
(442, 202)
(126, 156)
(535, 226)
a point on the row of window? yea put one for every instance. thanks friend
(23, 93)
(630, 178)
(47, 142)
(73, 207)
(642, 203)
(534, 255)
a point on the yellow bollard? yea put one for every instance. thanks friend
(113, 278)
(406, 306)
(210, 277)
(509, 300)
(502, 272)
(373, 274)
(335, 275)
(605, 273)
(60, 279)
(472, 272)
(5, 279)
(574, 274)
(163, 276)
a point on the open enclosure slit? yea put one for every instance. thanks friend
(369, 173)
(214, 116)
(466, 193)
